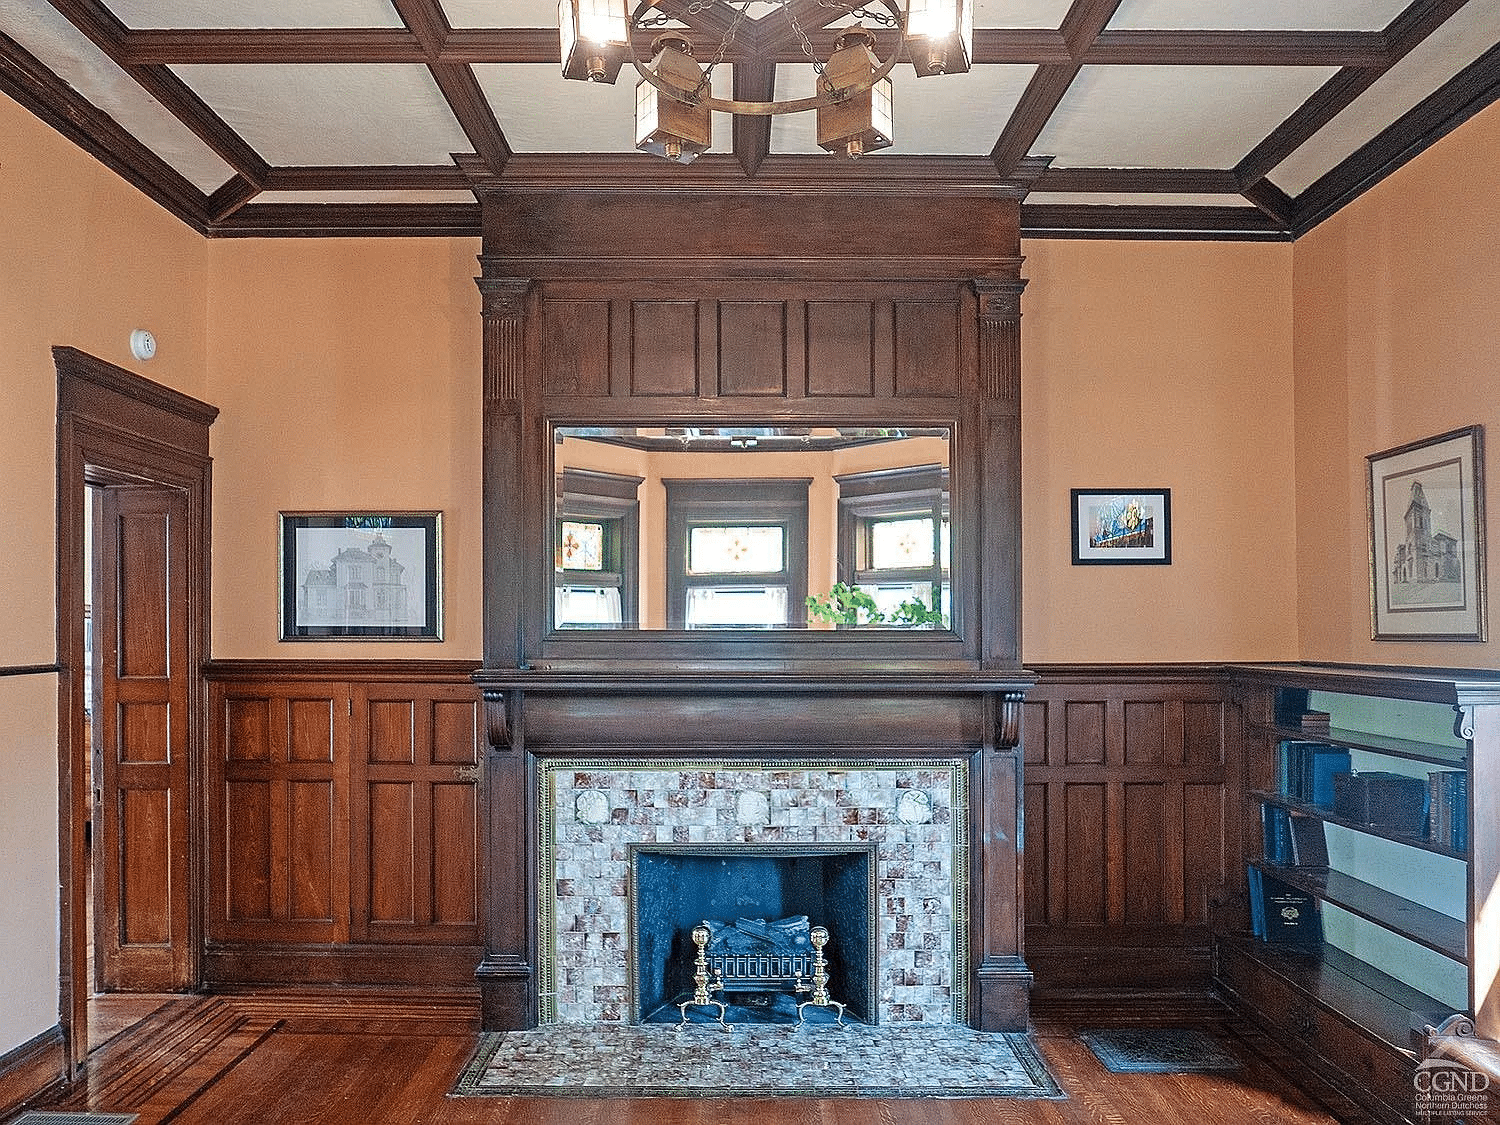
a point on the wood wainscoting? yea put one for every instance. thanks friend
(1134, 783)
(345, 844)
(344, 823)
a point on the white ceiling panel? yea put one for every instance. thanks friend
(501, 13)
(1172, 116)
(255, 13)
(946, 115)
(370, 113)
(364, 197)
(1137, 199)
(1250, 15)
(65, 51)
(1020, 13)
(541, 111)
(1449, 49)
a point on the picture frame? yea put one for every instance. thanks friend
(1122, 526)
(1425, 504)
(361, 576)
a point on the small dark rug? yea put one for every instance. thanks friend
(1157, 1050)
(756, 1060)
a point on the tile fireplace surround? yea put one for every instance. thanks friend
(593, 810)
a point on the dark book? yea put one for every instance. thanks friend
(1275, 824)
(1376, 799)
(1309, 770)
(1291, 915)
(1314, 722)
(1309, 844)
(1257, 901)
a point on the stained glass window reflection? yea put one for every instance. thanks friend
(581, 545)
(900, 543)
(736, 550)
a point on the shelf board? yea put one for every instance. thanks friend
(1453, 757)
(1355, 989)
(1413, 921)
(1328, 816)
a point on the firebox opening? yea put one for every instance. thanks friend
(675, 887)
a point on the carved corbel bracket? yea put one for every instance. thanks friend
(497, 728)
(999, 316)
(1463, 725)
(1008, 720)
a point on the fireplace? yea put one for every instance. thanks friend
(874, 850)
(675, 888)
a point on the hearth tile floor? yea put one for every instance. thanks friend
(760, 1060)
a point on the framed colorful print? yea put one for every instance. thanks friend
(362, 576)
(1113, 526)
(1426, 511)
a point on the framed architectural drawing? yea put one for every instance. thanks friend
(1426, 511)
(370, 576)
(1121, 525)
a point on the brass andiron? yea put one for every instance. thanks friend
(701, 981)
(819, 996)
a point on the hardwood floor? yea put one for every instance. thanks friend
(339, 1058)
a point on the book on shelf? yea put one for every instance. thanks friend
(1377, 799)
(1288, 914)
(1257, 901)
(1309, 844)
(1448, 809)
(1305, 771)
(1314, 722)
(1276, 831)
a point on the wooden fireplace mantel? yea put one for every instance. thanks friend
(747, 308)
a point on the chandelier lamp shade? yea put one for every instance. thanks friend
(853, 92)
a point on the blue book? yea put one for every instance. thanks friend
(1257, 901)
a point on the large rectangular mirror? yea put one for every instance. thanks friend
(751, 527)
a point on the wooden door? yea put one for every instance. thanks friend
(141, 834)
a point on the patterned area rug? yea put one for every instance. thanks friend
(1157, 1050)
(765, 1060)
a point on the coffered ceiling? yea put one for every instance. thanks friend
(1236, 119)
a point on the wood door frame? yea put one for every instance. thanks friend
(113, 425)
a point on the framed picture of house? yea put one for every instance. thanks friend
(368, 576)
(1113, 526)
(1426, 509)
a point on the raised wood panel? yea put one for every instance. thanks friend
(752, 348)
(1131, 790)
(664, 351)
(145, 847)
(840, 349)
(926, 345)
(1084, 724)
(576, 347)
(1086, 860)
(1146, 733)
(1144, 885)
(279, 866)
(142, 593)
(416, 812)
(144, 733)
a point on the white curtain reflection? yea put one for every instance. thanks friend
(586, 605)
(743, 607)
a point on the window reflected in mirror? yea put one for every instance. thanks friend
(751, 527)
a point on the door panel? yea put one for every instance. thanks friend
(141, 839)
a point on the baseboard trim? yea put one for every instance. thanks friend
(412, 966)
(38, 1066)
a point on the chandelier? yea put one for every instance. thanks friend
(853, 97)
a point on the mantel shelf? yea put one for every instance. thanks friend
(944, 680)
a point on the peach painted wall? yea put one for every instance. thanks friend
(348, 376)
(86, 258)
(1397, 333)
(1160, 365)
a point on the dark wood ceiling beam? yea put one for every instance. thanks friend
(456, 81)
(1465, 94)
(108, 34)
(373, 177)
(1137, 181)
(1238, 48)
(1044, 220)
(234, 194)
(753, 82)
(1419, 20)
(254, 45)
(30, 84)
(1081, 27)
(362, 220)
(1273, 202)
